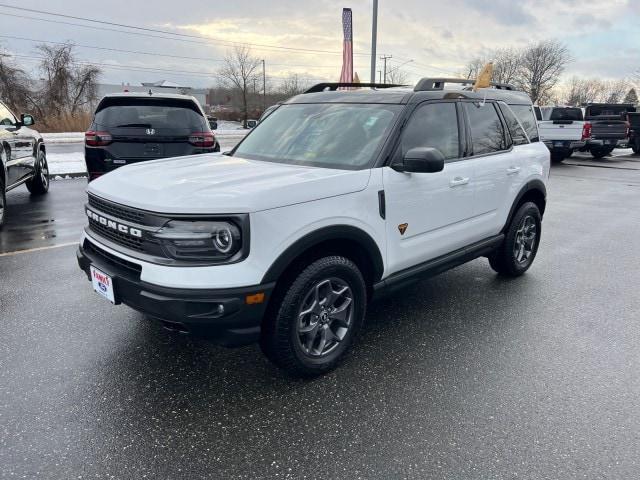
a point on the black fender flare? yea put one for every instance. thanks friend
(532, 185)
(330, 233)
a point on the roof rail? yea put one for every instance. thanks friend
(323, 87)
(427, 84)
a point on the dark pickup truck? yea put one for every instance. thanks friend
(634, 132)
(609, 127)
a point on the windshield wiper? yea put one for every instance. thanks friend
(143, 125)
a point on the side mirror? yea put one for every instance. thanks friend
(27, 120)
(421, 160)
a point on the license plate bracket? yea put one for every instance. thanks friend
(103, 284)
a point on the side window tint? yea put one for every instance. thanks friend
(487, 133)
(518, 134)
(433, 125)
(527, 117)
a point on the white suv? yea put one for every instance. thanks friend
(334, 198)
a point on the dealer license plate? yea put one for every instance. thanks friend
(103, 284)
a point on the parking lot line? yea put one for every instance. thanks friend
(29, 250)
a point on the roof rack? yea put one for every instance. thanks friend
(323, 87)
(427, 84)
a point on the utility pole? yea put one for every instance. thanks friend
(264, 87)
(374, 40)
(379, 76)
(385, 58)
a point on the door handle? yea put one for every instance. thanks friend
(513, 170)
(458, 181)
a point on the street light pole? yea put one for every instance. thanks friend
(264, 87)
(374, 40)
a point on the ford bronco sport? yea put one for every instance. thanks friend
(334, 198)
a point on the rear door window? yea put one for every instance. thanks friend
(164, 116)
(518, 135)
(527, 117)
(487, 132)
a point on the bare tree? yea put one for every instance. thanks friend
(613, 91)
(239, 72)
(15, 85)
(506, 65)
(292, 85)
(397, 76)
(541, 65)
(579, 91)
(68, 86)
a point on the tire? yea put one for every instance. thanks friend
(39, 184)
(216, 147)
(636, 147)
(516, 254)
(3, 201)
(557, 157)
(569, 154)
(315, 317)
(599, 153)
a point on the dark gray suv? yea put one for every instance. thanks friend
(22, 157)
(132, 127)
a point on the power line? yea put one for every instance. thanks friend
(155, 54)
(145, 69)
(209, 40)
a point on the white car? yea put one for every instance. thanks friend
(563, 130)
(335, 198)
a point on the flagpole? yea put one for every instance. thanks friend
(374, 39)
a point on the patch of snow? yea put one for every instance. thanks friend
(63, 137)
(64, 163)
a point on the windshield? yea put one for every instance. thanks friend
(330, 135)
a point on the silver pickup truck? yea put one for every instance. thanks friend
(563, 130)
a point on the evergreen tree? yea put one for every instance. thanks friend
(632, 97)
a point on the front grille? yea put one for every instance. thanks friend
(110, 259)
(120, 238)
(118, 211)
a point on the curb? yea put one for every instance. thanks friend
(67, 176)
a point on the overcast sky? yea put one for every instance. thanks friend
(439, 36)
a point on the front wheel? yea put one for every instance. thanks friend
(316, 318)
(39, 184)
(636, 147)
(520, 245)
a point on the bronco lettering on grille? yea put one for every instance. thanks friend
(119, 227)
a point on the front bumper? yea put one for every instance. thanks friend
(221, 315)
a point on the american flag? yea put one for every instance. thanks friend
(347, 50)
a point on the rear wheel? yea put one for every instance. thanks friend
(636, 147)
(312, 325)
(557, 157)
(600, 152)
(39, 184)
(520, 246)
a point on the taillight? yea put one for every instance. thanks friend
(95, 138)
(586, 131)
(202, 139)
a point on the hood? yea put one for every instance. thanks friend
(214, 183)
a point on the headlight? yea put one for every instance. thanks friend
(200, 240)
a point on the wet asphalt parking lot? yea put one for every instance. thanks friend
(463, 376)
